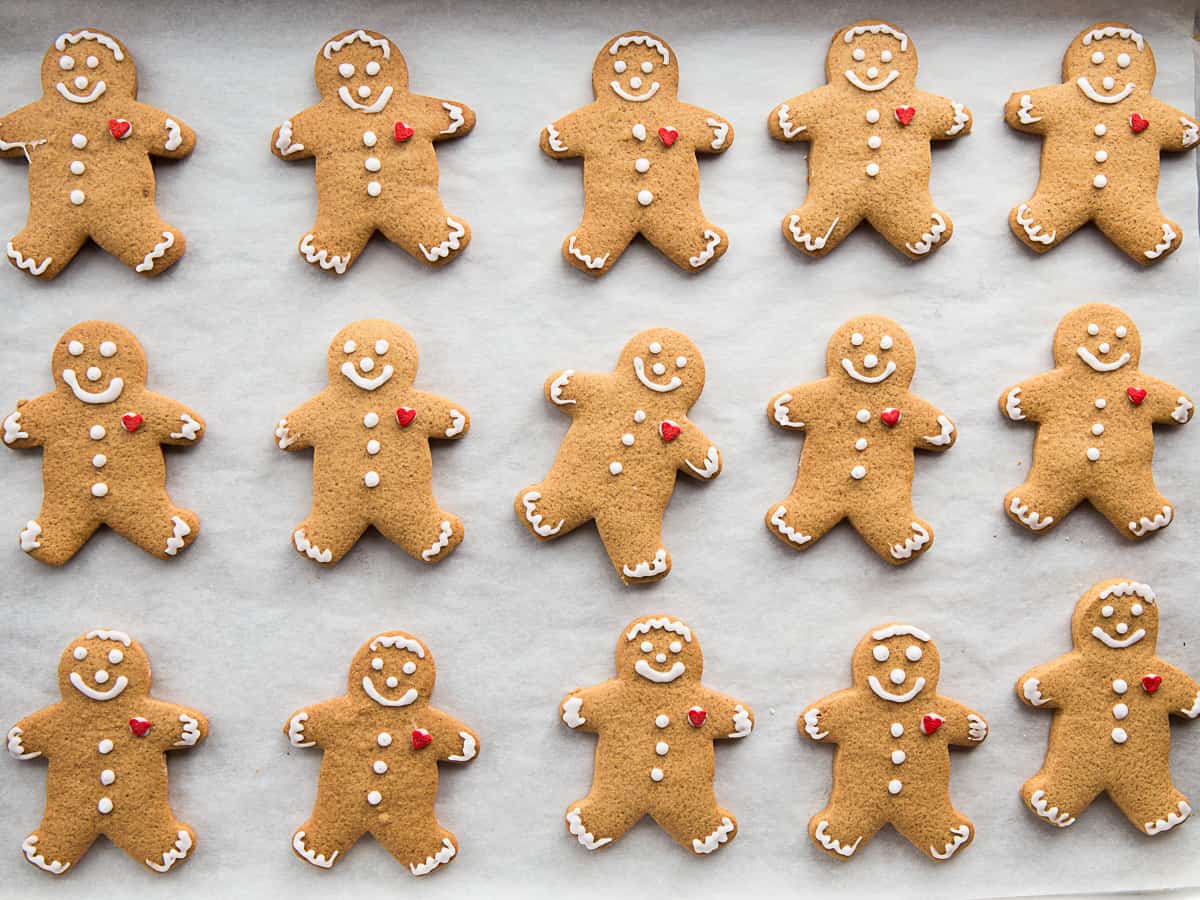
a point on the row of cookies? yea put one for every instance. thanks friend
(88, 143)
(102, 430)
(656, 723)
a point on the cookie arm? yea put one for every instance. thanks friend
(1026, 399)
(790, 409)
(22, 130)
(175, 727)
(583, 708)
(171, 422)
(307, 727)
(442, 419)
(728, 718)
(964, 726)
(292, 139)
(1168, 404)
(934, 430)
(792, 119)
(1179, 130)
(28, 738)
(167, 135)
(450, 118)
(948, 118)
(569, 390)
(563, 138)
(697, 456)
(295, 431)
(1026, 110)
(1040, 685)
(820, 721)
(23, 427)
(1181, 690)
(452, 740)
(710, 132)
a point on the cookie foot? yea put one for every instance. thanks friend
(647, 570)
(310, 854)
(919, 539)
(165, 251)
(30, 848)
(1176, 816)
(439, 858)
(1043, 808)
(30, 262)
(1145, 525)
(1023, 513)
(841, 846)
(938, 232)
(439, 251)
(317, 253)
(310, 549)
(593, 263)
(178, 850)
(586, 839)
(449, 536)
(957, 837)
(724, 832)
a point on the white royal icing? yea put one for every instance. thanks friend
(159, 250)
(445, 532)
(317, 859)
(1025, 220)
(282, 436)
(853, 78)
(1092, 94)
(1191, 131)
(868, 379)
(648, 568)
(1088, 357)
(714, 840)
(190, 733)
(367, 384)
(780, 412)
(1182, 411)
(75, 37)
(810, 243)
(931, 237)
(570, 713)
(792, 534)
(712, 463)
(961, 118)
(552, 140)
(720, 132)
(882, 694)
(29, 536)
(12, 428)
(911, 545)
(29, 848)
(977, 729)
(558, 384)
(534, 518)
(940, 440)
(1032, 689)
(961, 834)
(296, 730)
(1024, 113)
(457, 423)
(1191, 712)
(179, 530)
(812, 724)
(1012, 404)
(1145, 525)
(782, 115)
(1126, 588)
(324, 258)
(183, 843)
(468, 748)
(108, 395)
(1164, 245)
(1172, 819)
(456, 118)
(586, 838)
(639, 368)
(174, 134)
(597, 262)
(643, 40)
(712, 240)
(284, 142)
(1029, 518)
(1113, 31)
(312, 551)
(742, 725)
(17, 749)
(1039, 803)
(443, 250)
(27, 263)
(101, 696)
(188, 430)
(399, 642)
(660, 624)
(832, 843)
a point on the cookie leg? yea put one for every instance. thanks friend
(1043, 500)
(58, 532)
(1137, 509)
(682, 234)
(549, 511)
(157, 526)
(1137, 225)
(62, 837)
(701, 826)
(429, 534)
(633, 539)
(1042, 224)
(891, 528)
(803, 517)
(335, 241)
(598, 242)
(139, 238)
(913, 225)
(1062, 790)
(936, 828)
(840, 829)
(1150, 801)
(330, 530)
(422, 227)
(603, 816)
(159, 842)
(820, 224)
(326, 838)
(421, 850)
(44, 251)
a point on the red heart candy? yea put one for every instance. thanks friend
(696, 716)
(1136, 394)
(421, 738)
(890, 416)
(403, 132)
(668, 136)
(931, 722)
(904, 114)
(119, 128)
(669, 430)
(404, 416)
(139, 726)
(131, 422)
(1138, 124)
(1150, 683)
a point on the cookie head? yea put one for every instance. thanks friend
(83, 66)
(1116, 616)
(362, 69)
(871, 350)
(659, 650)
(635, 67)
(368, 354)
(103, 665)
(1097, 338)
(666, 362)
(392, 670)
(1109, 61)
(871, 55)
(96, 362)
(897, 663)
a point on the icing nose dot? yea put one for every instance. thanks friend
(635, 82)
(870, 361)
(392, 681)
(366, 364)
(1122, 628)
(897, 676)
(1104, 348)
(872, 72)
(101, 676)
(364, 91)
(659, 369)
(81, 81)
(93, 373)
(660, 657)
(1108, 82)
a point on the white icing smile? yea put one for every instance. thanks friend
(639, 367)
(1117, 643)
(644, 669)
(369, 689)
(636, 98)
(1086, 355)
(853, 78)
(868, 379)
(1092, 94)
(108, 395)
(92, 694)
(367, 384)
(384, 96)
(880, 692)
(95, 93)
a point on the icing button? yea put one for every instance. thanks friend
(874, 142)
(105, 746)
(372, 164)
(1119, 736)
(1120, 711)
(1119, 686)
(858, 473)
(374, 188)
(872, 169)
(656, 774)
(615, 467)
(77, 167)
(369, 138)
(371, 479)
(1093, 453)
(78, 141)
(374, 798)
(77, 197)
(894, 786)
(898, 756)
(1100, 129)
(863, 415)
(872, 116)
(642, 165)
(105, 806)
(1100, 181)
(644, 197)
(661, 720)
(897, 729)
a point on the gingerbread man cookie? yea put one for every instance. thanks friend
(639, 143)
(1112, 699)
(88, 142)
(870, 130)
(655, 726)
(382, 742)
(893, 732)
(1102, 133)
(861, 424)
(101, 433)
(106, 743)
(376, 165)
(628, 437)
(370, 432)
(1095, 413)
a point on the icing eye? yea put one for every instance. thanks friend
(1136, 609)
(655, 347)
(1107, 612)
(80, 653)
(409, 667)
(75, 348)
(914, 653)
(859, 54)
(658, 369)
(1097, 57)
(647, 646)
(1121, 331)
(108, 349)
(619, 66)
(647, 67)
(346, 70)
(1093, 329)
(92, 62)
(372, 68)
(880, 653)
(675, 646)
(680, 362)
(381, 347)
(885, 342)
(66, 63)
(856, 339)
(115, 656)
(1123, 60)
(886, 56)
(377, 664)
(392, 681)
(349, 347)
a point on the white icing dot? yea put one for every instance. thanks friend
(101, 676)
(1099, 129)
(369, 139)
(108, 349)
(381, 347)
(1120, 686)
(78, 141)
(99, 489)
(644, 197)
(894, 786)
(392, 681)
(1107, 612)
(886, 56)
(874, 142)
(619, 66)
(77, 167)
(1122, 628)
(872, 116)
(627, 440)
(81, 81)
(914, 653)
(656, 774)
(880, 653)
(374, 798)
(1101, 155)
(372, 447)
(655, 347)
(1109, 82)
(108, 776)
(1093, 329)
(96, 432)
(370, 420)
(870, 361)
(662, 721)
(859, 54)
(872, 169)
(105, 806)
(647, 67)
(1101, 403)
(1121, 331)
(675, 646)
(856, 339)
(66, 63)
(1119, 736)
(92, 373)
(1097, 429)
(115, 656)
(1123, 60)
(899, 756)
(77, 197)
(1120, 711)
(646, 646)
(1104, 347)
(366, 364)
(371, 479)
(364, 91)
(639, 416)
(858, 473)
(1100, 181)
(372, 164)
(1093, 453)
(660, 657)
(1136, 609)
(635, 82)
(409, 667)
(680, 362)
(872, 72)
(383, 739)
(105, 746)
(863, 415)
(374, 188)
(615, 467)
(860, 444)
(642, 165)
(92, 62)
(897, 676)
(885, 342)
(661, 748)
(639, 131)
(75, 348)
(897, 729)
(658, 369)
(377, 664)
(346, 70)
(80, 653)
(379, 766)
(349, 347)
(1097, 57)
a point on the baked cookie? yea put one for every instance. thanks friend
(106, 743)
(1103, 132)
(370, 432)
(655, 726)
(382, 742)
(893, 732)
(88, 143)
(870, 130)
(861, 425)
(376, 166)
(1095, 413)
(101, 433)
(1112, 700)
(639, 143)
(628, 437)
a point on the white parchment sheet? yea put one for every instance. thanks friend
(245, 630)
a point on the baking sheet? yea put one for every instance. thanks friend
(246, 631)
